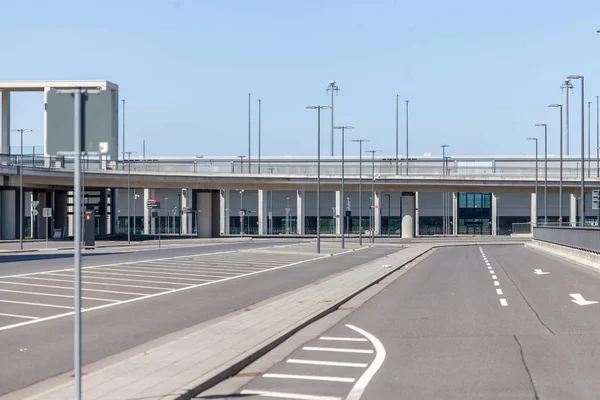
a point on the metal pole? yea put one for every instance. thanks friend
(536, 178)
(77, 242)
(589, 139)
(341, 211)
(373, 200)
(560, 190)
(243, 216)
(360, 195)
(582, 151)
(21, 194)
(319, 174)
(144, 149)
(333, 87)
(597, 137)
(567, 87)
(406, 137)
(259, 118)
(249, 133)
(134, 216)
(444, 193)
(545, 174)
(124, 139)
(397, 164)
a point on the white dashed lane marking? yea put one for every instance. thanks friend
(503, 302)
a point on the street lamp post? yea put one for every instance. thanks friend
(589, 139)
(167, 212)
(129, 193)
(536, 175)
(582, 204)
(443, 146)
(545, 172)
(333, 88)
(124, 136)
(560, 183)
(406, 137)
(597, 136)
(242, 212)
(319, 108)
(21, 187)
(360, 142)
(249, 133)
(241, 163)
(343, 128)
(259, 118)
(566, 86)
(397, 155)
(373, 194)
(135, 197)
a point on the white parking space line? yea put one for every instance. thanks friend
(120, 279)
(363, 381)
(56, 295)
(71, 288)
(310, 377)
(337, 350)
(18, 316)
(503, 302)
(85, 282)
(35, 304)
(327, 363)
(103, 272)
(167, 272)
(176, 269)
(499, 291)
(343, 339)
(291, 396)
(214, 270)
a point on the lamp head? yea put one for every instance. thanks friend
(574, 77)
(555, 105)
(540, 124)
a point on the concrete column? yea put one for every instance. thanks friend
(224, 212)
(454, 213)
(263, 213)
(187, 218)
(494, 214)
(339, 210)
(573, 210)
(300, 212)
(408, 215)
(38, 222)
(377, 214)
(5, 122)
(10, 214)
(534, 213)
(112, 207)
(416, 214)
(204, 214)
(149, 222)
(70, 207)
(60, 206)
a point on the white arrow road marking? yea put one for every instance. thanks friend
(578, 299)
(540, 272)
(363, 381)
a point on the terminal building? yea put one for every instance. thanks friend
(215, 196)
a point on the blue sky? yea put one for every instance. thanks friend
(478, 74)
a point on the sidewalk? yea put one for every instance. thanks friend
(185, 367)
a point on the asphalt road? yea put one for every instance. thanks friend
(33, 352)
(448, 331)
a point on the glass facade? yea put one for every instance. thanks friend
(474, 213)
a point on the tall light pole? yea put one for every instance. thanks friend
(406, 137)
(135, 197)
(545, 172)
(397, 155)
(373, 195)
(597, 136)
(333, 88)
(443, 146)
(167, 212)
(582, 204)
(241, 211)
(249, 131)
(241, 163)
(589, 139)
(319, 108)
(343, 128)
(536, 175)
(360, 142)
(259, 118)
(124, 136)
(566, 86)
(129, 153)
(21, 187)
(560, 184)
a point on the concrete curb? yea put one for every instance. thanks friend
(583, 258)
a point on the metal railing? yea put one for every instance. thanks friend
(582, 238)
(303, 167)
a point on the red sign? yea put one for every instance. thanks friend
(88, 217)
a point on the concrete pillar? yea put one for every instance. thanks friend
(148, 220)
(10, 213)
(573, 210)
(454, 213)
(300, 212)
(263, 202)
(339, 209)
(70, 207)
(377, 213)
(204, 214)
(187, 218)
(534, 213)
(38, 222)
(224, 211)
(408, 215)
(417, 214)
(5, 122)
(494, 214)
(60, 206)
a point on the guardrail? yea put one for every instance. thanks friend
(582, 238)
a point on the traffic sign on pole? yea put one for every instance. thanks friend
(595, 199)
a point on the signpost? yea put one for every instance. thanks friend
(47, 213)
